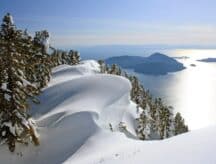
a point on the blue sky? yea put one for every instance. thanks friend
(110, 22)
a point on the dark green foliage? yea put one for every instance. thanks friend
(40, 59)
(103, 67)
(180, 126)
(15, 123)
(59, 57)
(114, 70)
(144, 123)
(74, 57)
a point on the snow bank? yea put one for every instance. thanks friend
(74, 117)
(194, 147)
(65, 73)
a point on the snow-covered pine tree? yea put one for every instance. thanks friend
(74, 57)
(15, 124)
(28, 53)
(155, 115)
(77, 56)
(163, 119)
(180, 126)
(54, 59)
(115, 70)
(3, 77)
(137, 91)
(59, 59)
(42, 62)
(166, 126)
(65, 58)
(144, 123)
(102, 66)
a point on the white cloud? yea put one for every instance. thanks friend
(199, 35)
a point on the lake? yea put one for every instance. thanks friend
(192, 92)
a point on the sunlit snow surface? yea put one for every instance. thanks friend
(74, 116)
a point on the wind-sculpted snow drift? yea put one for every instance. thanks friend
(74, 118)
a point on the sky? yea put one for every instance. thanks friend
(117, 22)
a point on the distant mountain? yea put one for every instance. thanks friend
(156, 64)
(209, 60)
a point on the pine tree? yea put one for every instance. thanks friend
(54, 59)
(102, 66)
(42, 61)
(180, 126)
(137, 91)
(28, 53)
(144, 123)
(166, 126)
(155, 115)
(15, 124)
(115, 70)
(74, 57)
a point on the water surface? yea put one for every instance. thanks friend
(191, 91)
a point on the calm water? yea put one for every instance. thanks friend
(191, 91)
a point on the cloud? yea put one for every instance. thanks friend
(187, 35)
(76, 31)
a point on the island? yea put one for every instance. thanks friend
(193, 65)
(208, 60)
(155, 64)
(182, 57)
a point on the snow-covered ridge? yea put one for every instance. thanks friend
(74, 120)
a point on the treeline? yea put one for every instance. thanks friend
(156, 120)
(25, 68)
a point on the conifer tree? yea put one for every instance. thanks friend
(137, 91)
(180, 126)
(74, 57)
(102, 66)
(15, 123)
(65, 58)
(28, 53)
(115, 70)
(54, 58)
(42, 62)
(144, 123)
(166, 126)
(59, 57)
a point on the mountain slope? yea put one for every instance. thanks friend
(74, 118)
(194, 147)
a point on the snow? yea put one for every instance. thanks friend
(4, 86)
(46, 44)
(7, 97)
(195, 147)
(11, 127)
(74, 115)
(11, 19)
